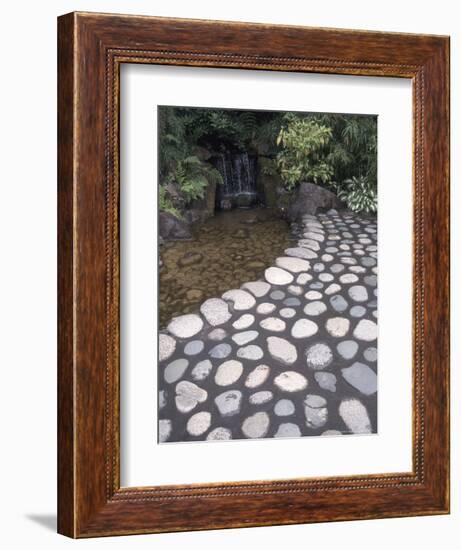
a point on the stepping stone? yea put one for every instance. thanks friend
(326, 380)
(256, 426)
(265, 308)
(277, 276)
(304, 253)
(368, 262)
(319, 356)
(348, 278)
(338, 303)
(315, 411)
(295, 290)
(220, 351)
(358, 293)
(327, 258)
(201, 370)
(175, 370)
(241, 299)
(257, 376)
(331, 249)
(371, 354)
(281, 350)
(304, 278)
(287, 312)
(295, 265)
(357, 311)
(355, 416)
(315, 308)
(242, 338)
(318, 268)
(337, 326)
(198, 423)
(185, 326)
(288, 430)
(292, 302)
(309, 243)
(366, 330)
(357, 269)
(260, 397)
(326, 277)
(284, 407)
(164, 430)
(215, 311)
(277, 295)
(229, 402)
(162, 399)
(361, 377)
(217, 334)
(188, 396)
(219, 434)
(348, 261)
(273, 324)
(347, 349)
(166, 347)
(313, 295)
(194, 347)
(257, 288)
(337, 268)
(332, 289)
(314, 236)
(331, 432)
(304, 328)
(252, 353)
(243, 322)
(228, 372)
(370, 280)
(291, 381)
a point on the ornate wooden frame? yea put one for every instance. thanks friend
(91, 49)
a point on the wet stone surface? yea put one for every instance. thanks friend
(286, 348)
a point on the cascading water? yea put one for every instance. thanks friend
(238, 171)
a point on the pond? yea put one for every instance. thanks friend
(229, 249)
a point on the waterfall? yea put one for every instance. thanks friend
(238, 171)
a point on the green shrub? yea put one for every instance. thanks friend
(359, 193)
(303, 154)
(166, 205)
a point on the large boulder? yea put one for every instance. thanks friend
(309, 198)
(172, 228)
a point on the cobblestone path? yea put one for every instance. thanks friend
(292, 355)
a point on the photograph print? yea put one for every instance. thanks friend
(268, 274)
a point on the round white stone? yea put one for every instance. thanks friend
(288, 429)
(260, 397)
(241, 299)
(355, 416)
(287, 312)
(215, 311)
(164, 430)
(219, 434)
(284, 407)
(256, 425)
(185, 326)
(366, 330)
(199, 423)
(281, 350)
(290, 381)
(295, 290)
(265, 308)
(277, 276)
(217, 334)
(295, 265)
(319, 356)
(166, 347)
(273, 324)
(337, 326)
(257, 376)
(243, 322)
(315, 308)
(201, 370)
(242, 338)
(188, 395)
(257, 288)
(304, 253)
(332, 289)
(358, 293)
(229, 402)
(313, 295)
(228, 372)
(304, 278)
(252, 353)
(304, 328)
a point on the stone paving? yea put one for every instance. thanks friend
(292, 355)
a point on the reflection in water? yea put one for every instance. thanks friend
(228, 250)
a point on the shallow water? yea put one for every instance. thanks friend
(228, 250)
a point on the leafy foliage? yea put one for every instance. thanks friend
(359, 194)
(166, 204)
(303, 155)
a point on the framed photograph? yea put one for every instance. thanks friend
(226, 195)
